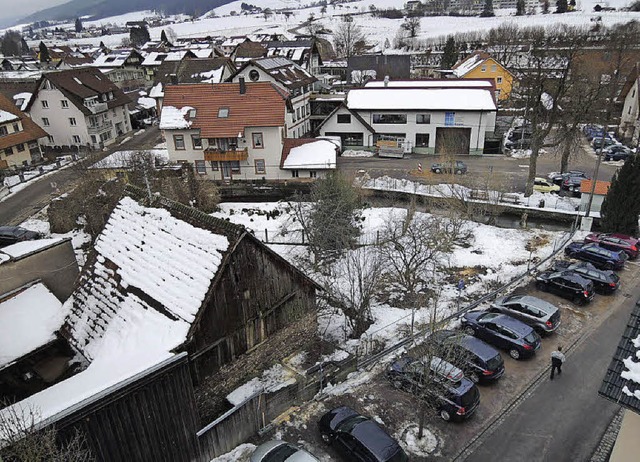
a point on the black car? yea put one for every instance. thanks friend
(567, 285)
(604, 281)
(600, 258)
(558, 178)
(520, 134)
(12, 234)
(358, 438)
(480, 361)
(458, 167)
(502, 331)
(455, 396)
(616, 152)
(519, 143)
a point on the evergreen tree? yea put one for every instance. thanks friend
(78, 25)
(621, 209)
(10, 45)
(488, 9)
(24, 47)
(449, 54)
(561, 6)
(139, 36)
(43, 53)
(520, 8)
(545, 7)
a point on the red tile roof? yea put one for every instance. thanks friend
(262, 105)
(602, 187)
(30, 131)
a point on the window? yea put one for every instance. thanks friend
(214, 166)
(196, 141)
(633, 93)
(297, 113)
(497, 93)
(295, 173)
(494, 68)
(261, 167)
(257, 140)
(449, 119)
(389, 118)
(72, 121)
(192, 113)
(423, 118)
(178, 142)
(499, 80)
(64, 103)
(344, 118)
(223, 112)
(8, 151)
(20, 147)
(45, 121)
(313, 174)
(50, 138)
(76, 139)
(422, 140)
(3, 131)
(235, 166)
(254, 75)
(201, 167)
(45, 104)
(483, 68)
(16, 127)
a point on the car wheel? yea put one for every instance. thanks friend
(608, 265)
(325, 438)
(541, 286)
(514, 353)
(578, 300)
(469, 330)
(438, 170)
(458, 172)
(606, 158)
(444, 415)
(474, 377)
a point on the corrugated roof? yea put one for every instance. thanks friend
(602, 187)
(624, 391)
(262, 105)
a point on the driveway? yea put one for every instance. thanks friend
(38, 194)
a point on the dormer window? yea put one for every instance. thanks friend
(110, 95)
(223, 112)
(192, 113)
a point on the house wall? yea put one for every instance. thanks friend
(10, 154)
(257, 294)
(630, 114)
(55, 266)
(479, 122)
(506, 84)
(270, 153)
(627, 446)
(596, 205)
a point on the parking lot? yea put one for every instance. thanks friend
(371, 394)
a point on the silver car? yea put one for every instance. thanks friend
(539, 314)
(281, 451)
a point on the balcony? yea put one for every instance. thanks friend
(97, 108)
(95, 129)
(220, 155)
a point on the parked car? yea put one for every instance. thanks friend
(545, 186)
(600, 257)
(280, 451)
(519, 133)
(12, 234)
(567, 285)
(455, 396)
(572, 184)
(616, 152)
(520, 143)
(604, 281)
(598, 142)
(543, 316)
(502, 331)
(357, 437)
(558, 178)
(458, 167)
(615, 241)
(480, 361)
(592, 130)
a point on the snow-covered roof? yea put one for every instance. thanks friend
(146, 102)
(156, 91)
(317, 155)
(212, 76)
(25, 97)
(446, 83)
(28, 321)
(123, 159)
(468, 64)
(454, 99)
(172, 118)
(155, 58)
(7, 116)
(20, 249)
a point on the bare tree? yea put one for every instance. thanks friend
(411, 26)
(348, 37)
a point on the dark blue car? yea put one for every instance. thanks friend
(600, 258)
(502, 331)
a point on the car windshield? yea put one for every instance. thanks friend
(351, 422)
(470, 397)
(531, 338)
(495, 362)
(280, 454)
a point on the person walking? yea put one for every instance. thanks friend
(557, 359)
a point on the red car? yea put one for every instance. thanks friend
(614, 241)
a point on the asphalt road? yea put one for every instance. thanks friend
(563, 419)
(38, 194)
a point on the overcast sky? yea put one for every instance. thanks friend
(21, 8)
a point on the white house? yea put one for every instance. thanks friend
(80, 107)
(630, 117)
(427, 117)
(297, 82)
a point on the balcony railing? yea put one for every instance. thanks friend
(99, 128)
(222, 155)
(97, 108)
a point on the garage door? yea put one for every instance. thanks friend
(453, 141)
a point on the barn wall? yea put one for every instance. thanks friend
(257, 295)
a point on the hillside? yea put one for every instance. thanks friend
(103, 8)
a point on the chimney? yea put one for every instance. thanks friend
(386, 80)
(243, 87)
(173, 78)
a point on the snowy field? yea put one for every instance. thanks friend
(378, 30)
